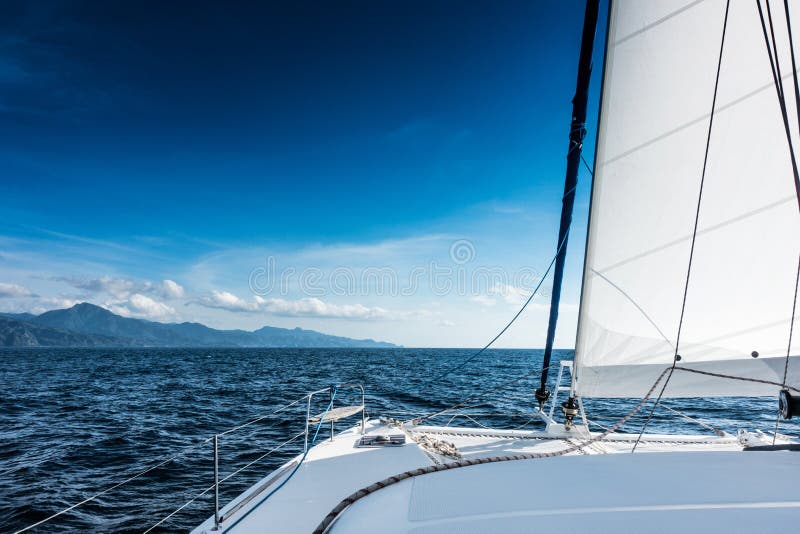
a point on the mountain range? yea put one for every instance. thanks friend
(87, 325)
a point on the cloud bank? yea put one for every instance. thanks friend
(303, 307)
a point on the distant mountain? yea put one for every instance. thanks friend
(90, 319)
(92, 325)
(15, 333)
(18, 316)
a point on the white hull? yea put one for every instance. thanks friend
(693, 484)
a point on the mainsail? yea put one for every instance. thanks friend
(659, 78)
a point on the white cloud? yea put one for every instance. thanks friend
(511, 294)
(44, 304)
(124, 288)
(119, 288)
(37, 305)
(139, 305)
(447, 323)
(14, 291)
(171, 290)
(304, 307)
(58, 303)
(314, 307)
(150, 307)
(228, 301)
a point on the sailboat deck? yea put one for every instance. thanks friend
(336, 468)
(669, 492)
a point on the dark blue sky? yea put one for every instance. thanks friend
(184, 127)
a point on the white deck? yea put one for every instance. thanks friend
(332, 470)
(668, 492)
(709, 483)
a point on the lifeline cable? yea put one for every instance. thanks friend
(162, 463)
(202, 493)
(302, 459)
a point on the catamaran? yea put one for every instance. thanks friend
(689, 290)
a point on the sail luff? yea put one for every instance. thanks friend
(598, 140)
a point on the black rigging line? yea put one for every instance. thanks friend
(776, 74)
(797, 188)
(694, 231)
(773, 42)
(794, 77)
(588, 167)
(791, 325)
(775, 65)
(506, 327)
(797, 184)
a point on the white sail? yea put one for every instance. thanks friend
(661, 62)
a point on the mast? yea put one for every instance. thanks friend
(576, 134)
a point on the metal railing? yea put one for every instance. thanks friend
(308, 397)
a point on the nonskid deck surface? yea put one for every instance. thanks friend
(486, 498)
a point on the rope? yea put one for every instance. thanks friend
(797, 190)
(152, 468)
(796, 85)
(522, 308)
(689, 418)
(468, 418)
(464, 403)
(733, 377)
(777, 80)
(346, 502)
(696, 222)
(588, 167)
(495, 338)
(789, 346)
(597, 424)
(473, 414)
(193, 499)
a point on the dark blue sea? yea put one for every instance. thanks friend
(74, 422)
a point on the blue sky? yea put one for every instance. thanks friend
(200, 144)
